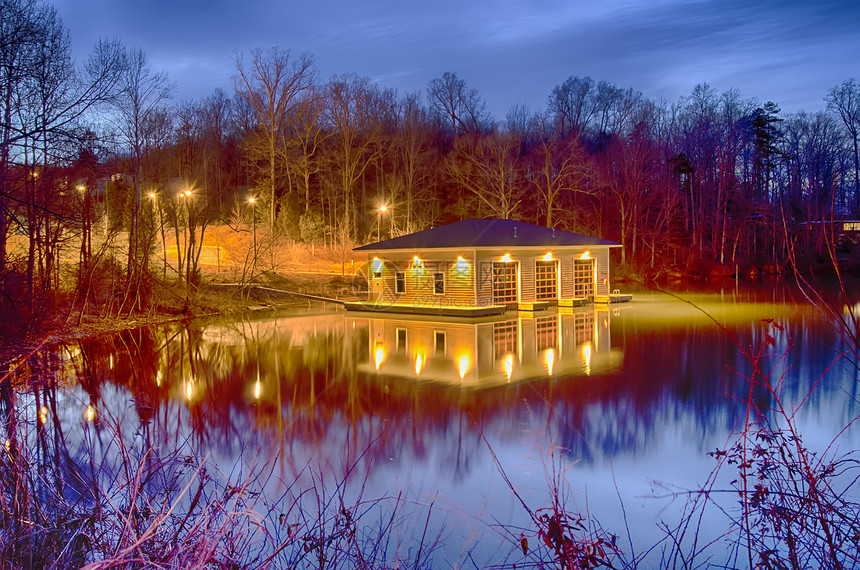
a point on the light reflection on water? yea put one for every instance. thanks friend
(626, 400)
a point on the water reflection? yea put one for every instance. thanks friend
(611, 377)
(487, 354)
(416, 403)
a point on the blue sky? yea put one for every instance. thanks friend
(790, 52)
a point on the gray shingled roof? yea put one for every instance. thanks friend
(487, 233)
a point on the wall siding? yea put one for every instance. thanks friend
(566, 277)
(527, 280)
(472, 285)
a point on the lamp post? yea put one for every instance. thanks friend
(185, 196)
(154, 199)
(86, 233)
(382, 210)
(252, 201)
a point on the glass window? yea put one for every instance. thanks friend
(545, 280)
(438, 283)
(504, 283)
(399, 282)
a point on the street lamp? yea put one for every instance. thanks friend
(252, 201)
(186, 196)
(86, 230)
(383, 209)
(154, 199)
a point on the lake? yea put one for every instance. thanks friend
(432, 441)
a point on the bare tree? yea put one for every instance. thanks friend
(272, 84)
(571, 106)
(352, 104)
(559, 167)
(456, 104)
(143, 92)
(489, 168)
(845, 100)
(413, 161)
(307, 137)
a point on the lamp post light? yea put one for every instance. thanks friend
(383, 209)
(252, 201)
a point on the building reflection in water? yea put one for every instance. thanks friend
(506, 349)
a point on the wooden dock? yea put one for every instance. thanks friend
(435, 310)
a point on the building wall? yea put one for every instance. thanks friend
(468, 282)
(602, 264)
(419, 279)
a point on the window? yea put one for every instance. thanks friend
(438, 283)
(545, 280)
(439, 341)
(399, 282)
(377, 274)
(504, 283)
(400, 340)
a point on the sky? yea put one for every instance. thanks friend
(513, 51)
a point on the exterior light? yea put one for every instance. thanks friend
(188, 193)
(462, 264)
(506, 258)
(251, 200)
(81, 188)
(586, 255)
(417, 263)
(152, 195)
(376, 265)
(548, 257)
(383, 208)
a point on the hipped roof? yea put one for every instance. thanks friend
(487, 233)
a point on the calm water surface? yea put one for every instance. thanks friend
(617, 407)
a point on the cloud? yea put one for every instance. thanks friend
(511, 50)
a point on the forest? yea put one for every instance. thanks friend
(109, 187)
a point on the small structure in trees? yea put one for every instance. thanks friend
(484, 267)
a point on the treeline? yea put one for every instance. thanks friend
(97, 153)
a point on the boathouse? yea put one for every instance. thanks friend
(483, 267)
